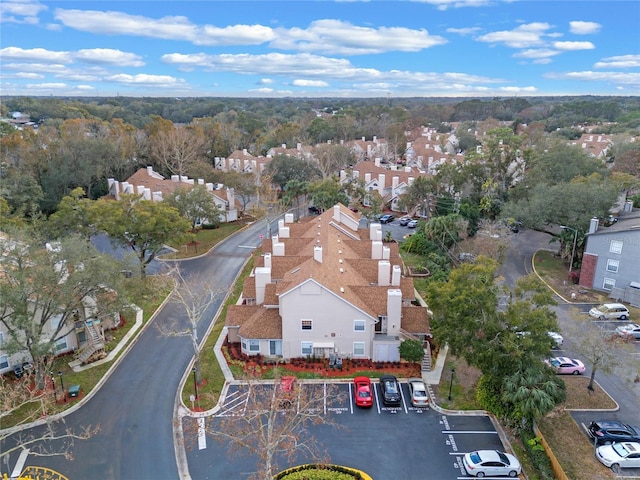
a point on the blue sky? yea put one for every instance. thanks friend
(320, 48)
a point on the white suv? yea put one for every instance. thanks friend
(610, 311)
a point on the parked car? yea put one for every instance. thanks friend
(619, 455)
(412, 224)
(566, 365)
(418, 392)
(611, 431)
(386, 218)
(287, 391)
(362, 392)
(390, 389)
(631, 330)
(404, 221)
(558, 339)
(483, 463)
(610, 311)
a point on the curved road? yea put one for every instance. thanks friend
(134, 407)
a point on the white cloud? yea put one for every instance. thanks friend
(47, 86)
(464, 31)
(108, 56)
(574, 46)
(34, 55)
(12, 11)
(27, 75)
(584, 28)
(620, 61)
(262, 90)
(266, 81)
(631, 80)
(338, 37)
(523, 36)
(145, 79)
(169, 28)
(536, 53)
(444, 4)
(310, 83)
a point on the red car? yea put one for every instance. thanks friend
(362, 392)
(287, 391)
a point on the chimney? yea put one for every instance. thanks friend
(231, 198)
(343, 175)
(283, 232)
(175, 178)
(394, 311)
(394, 182)
(150, 171)
(410, 181)
(288, 218)
(263, 276)
(384, 269)
(317, 253)
(377, 161)
(367, 177)
(376, 250)
(386, 252)
(267, 260)
(593, 225)
(375, 231)
(201, 181)
(336, 213)
(395, 276)
(381, 184)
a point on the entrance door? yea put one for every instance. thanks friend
(275, 347)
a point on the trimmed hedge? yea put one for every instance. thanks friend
(319, 472)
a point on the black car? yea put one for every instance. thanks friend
(611, 431)
(390, 389)
(386, 218)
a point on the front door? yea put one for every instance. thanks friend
(275, 347)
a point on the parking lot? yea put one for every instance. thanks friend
(386, 442)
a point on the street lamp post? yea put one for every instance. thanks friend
(575, 239)
(195, 382)
(53, 383)
(64, 395)
(453, 370)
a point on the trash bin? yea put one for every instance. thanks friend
(74, 390)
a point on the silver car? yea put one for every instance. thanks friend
(418, 392)
(619, 455)
(491, 463)
(631, 330)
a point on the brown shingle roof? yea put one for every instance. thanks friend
(415, 320)
(255, 321)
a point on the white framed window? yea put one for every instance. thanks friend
(608, 283)
(612, 265)
(254, 345)
(358, 349)
(306, 348)
(61, 344)
(306, 324)
(244, 344)
(4, 361)
(359, 326)
(615, 246)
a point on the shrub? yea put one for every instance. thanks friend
(318, 472)
(537, 454)
(488, 394)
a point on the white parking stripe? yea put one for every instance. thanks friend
(350, 398)
(202, 437)
(375, 390)
(469, 431)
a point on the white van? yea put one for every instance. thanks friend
(610, 311)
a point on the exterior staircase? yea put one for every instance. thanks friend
(426, 360)
(94, 344)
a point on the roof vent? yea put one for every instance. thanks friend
(341, 289)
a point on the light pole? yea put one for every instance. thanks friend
(53, 383)
(575, 239)
(453, 370)
(195, 382)
(64, 395)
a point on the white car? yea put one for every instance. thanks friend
(631, 330)
(619, 455)
(418, 391)
(610, 311)
(557, 339)
(489, 463)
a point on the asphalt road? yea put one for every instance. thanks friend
(134, 407)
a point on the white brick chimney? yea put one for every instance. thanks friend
(395, 276)
(376, 249)
(394, 311)
(317, 253)
(263, 277)
(384, 269)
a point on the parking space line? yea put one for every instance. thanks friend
(375, 390)
(469, 431)
(350, 399)
(404, 403)
(202, 437)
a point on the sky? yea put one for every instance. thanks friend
(319, 48)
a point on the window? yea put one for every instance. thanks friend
(612, 265)
(61, 344)
(608, 283)
(1, 338)
(4, 361)
(358, 349)
(307, 348)
(359, 326)
(615, 246)
(307, 324)
(244, 344)
(254, 345)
